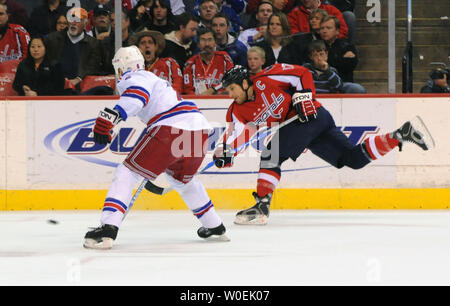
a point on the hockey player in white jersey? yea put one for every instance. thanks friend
(168, 118)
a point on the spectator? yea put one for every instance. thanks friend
(43, 18)
(237, 5)
(14, 38)
(326, 78)
(256, 58)
(140, 14)
(347, 8)
(101, 23)
(207, 10)
(91, 5)
(108, 44)
(78, 53)
(37, 75)
(252, 36)
(226, 42)
(179, 43)
(342, 54)
(284, 6)
(61, 23)
(278, 44)
(151, 44)
(302, 40)
(204, 71)
(299, 16)
(162, 18)
(232, 16)
(438, 82)
(17, 14)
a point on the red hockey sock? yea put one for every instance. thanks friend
(378, 146)
(267, 182)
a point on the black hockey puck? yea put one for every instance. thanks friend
(51, 221)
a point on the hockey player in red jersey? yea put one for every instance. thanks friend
(281, 92)
(152, 44)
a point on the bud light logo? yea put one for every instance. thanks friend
(77, 141)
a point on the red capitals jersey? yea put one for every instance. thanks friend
(14, 44)
(199, 76)
(168, 69)
(273, 88)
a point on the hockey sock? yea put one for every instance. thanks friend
(195, 196)
(378, 146)
(119, 195)
(268, 180)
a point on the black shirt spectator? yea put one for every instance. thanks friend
(43, 18)
(37, 74)
(341, 53)
(79, 53)
(278, 45)
(179, 43)
(162, 19)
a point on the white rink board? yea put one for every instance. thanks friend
(57, 155)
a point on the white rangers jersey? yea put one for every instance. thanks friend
(155, 102)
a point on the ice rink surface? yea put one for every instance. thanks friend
(296, 248)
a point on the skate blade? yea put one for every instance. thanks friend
(218, 238)
(259, 220)
(420, 126)
(105, 244)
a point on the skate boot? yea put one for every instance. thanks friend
(258, 214)
(416, 132)
(216, 233)
(101, 238)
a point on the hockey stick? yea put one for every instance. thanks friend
(136, 194)
(258, 136)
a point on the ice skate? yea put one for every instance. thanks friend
(416, 132)
(216, 233)
(101, 238)
(258, 214)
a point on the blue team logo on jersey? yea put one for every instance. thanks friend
(76, 140)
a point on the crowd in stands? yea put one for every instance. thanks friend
(58, 49)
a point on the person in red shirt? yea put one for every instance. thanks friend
(203, 72)
(151, 44)
(299, 16)
(283, 93)
(14, 39)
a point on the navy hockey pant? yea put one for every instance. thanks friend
(321, 137)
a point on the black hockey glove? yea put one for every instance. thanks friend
(223, 156)
(105, 122)
(303, 103)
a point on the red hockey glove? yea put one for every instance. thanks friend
(304, 105)
(105, 122)
(223, 156)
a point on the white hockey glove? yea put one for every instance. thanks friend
(303, 103)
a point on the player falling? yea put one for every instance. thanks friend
(171, 122)
(277, 94)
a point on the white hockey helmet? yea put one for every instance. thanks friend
(128, 58)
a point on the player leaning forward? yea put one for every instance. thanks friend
(168, 118)
(277, 94)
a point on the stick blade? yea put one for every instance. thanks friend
(154, 189)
